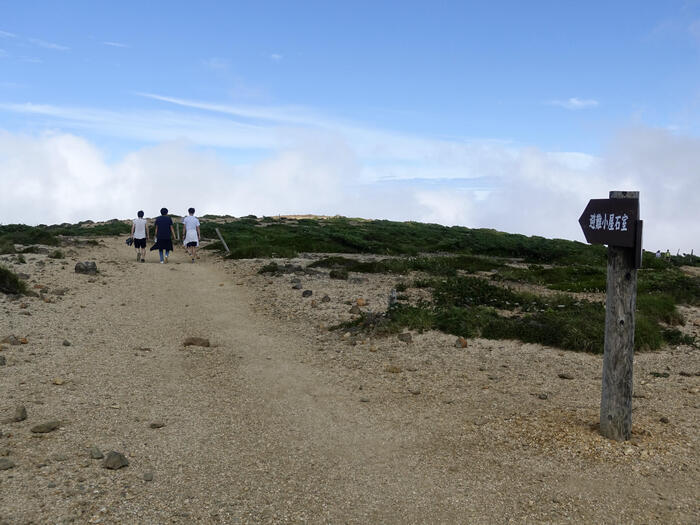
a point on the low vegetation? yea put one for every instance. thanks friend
(471, 275)
(10, 283)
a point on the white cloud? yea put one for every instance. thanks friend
(694, 29)
(115, 44)
(47, 45)
(575, 103)
(63, 177)
(217, 64)
(276, 57)
(6, 34)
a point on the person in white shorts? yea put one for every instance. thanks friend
(139, 233)
(191, 239)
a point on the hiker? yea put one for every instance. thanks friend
(191, 237)
(164, 234)
(139, 233)
(668, 254)
(658, 254)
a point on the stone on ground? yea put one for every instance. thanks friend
(196, 341)
(115, 460)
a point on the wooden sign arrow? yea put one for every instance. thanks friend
(611, 221)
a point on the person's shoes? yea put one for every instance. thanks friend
(143, 260)
(161, 262)
(192, 260)
(166, 259)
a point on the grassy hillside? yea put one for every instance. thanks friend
(444, 261)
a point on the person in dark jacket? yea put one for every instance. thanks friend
(164, 234)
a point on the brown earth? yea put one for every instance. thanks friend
(282, 420)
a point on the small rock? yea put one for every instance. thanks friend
(685, 374)
(565, 376)
(405, 337)
(23, 341)
(96, 453)
(115, 460)
(157, 424)
(306, 293)
(355, 310)
(325, 299)
(314, 303)
(361, 302)
(414, 390)
(392, 369)
(297, 286)
(664, 420)
(364, 400)
(295, 280)
(52, 485)
(43, 428)
(542, 396)
(148, 476)
(372, 348)
(11, 340)
(461, 342)
(20, 414)
(57, 381)
(6, 464)
(196, 341)
(66, 342)
(59, 457)
(4, 452)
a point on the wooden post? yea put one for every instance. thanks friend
(222, 240)
(620, 303)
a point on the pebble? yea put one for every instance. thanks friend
(461, 342)
(542, 396)
(565, 376)
(664, 420)
(297, 286)
(306, 293)
(364, 400)
(355, 310)
(414, 390)
(6, 464)
(115, 460)
(57, 381)
(96, 453)
(157, 424)
(148, 476)
(43, 428)
(66, 342)
(325, 299)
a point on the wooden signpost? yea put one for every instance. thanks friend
(615, 222)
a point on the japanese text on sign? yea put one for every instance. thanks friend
(608, 221)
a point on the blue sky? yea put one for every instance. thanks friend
(409, 107)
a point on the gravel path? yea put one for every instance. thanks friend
(261, 427)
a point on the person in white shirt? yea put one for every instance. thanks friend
(191, 240)
(139, 233)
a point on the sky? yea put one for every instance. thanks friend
(506, 115)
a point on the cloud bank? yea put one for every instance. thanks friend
(57, 177)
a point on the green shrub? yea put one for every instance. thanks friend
(56, 254)
(340, 273)
(10, 283)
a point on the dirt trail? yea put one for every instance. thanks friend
(257, 429)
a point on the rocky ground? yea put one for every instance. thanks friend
(281, 420)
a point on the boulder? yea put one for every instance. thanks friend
(87, 267)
